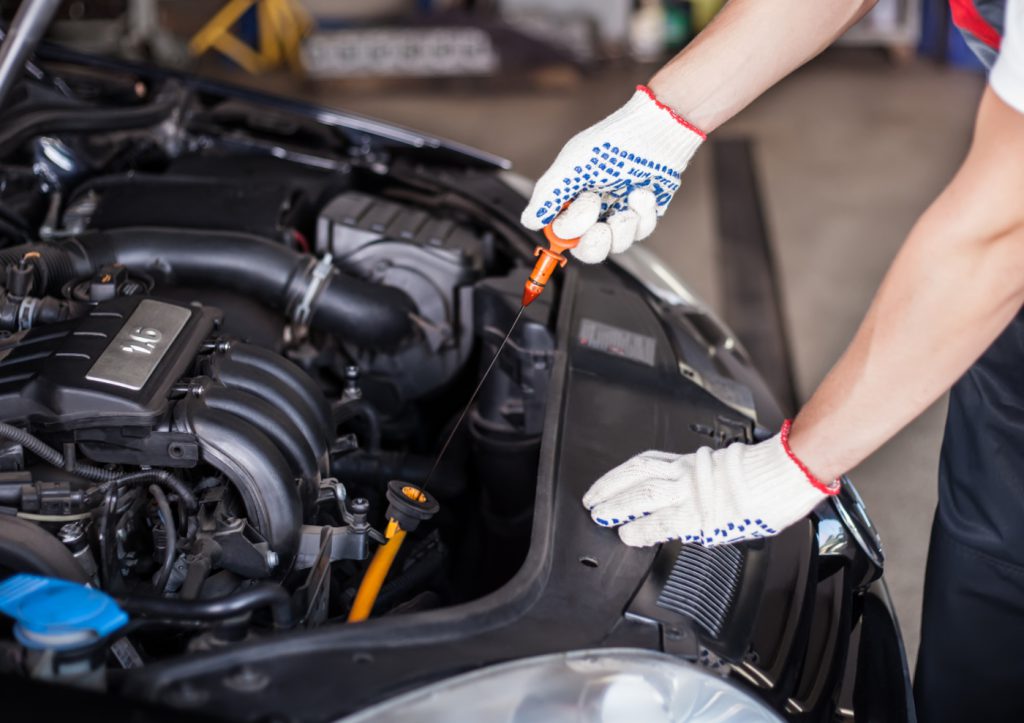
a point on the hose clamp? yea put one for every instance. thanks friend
(318, 277)
(26, 311)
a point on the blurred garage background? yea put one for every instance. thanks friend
(802, 200)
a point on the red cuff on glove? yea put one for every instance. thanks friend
(828, 489)
(679, 119)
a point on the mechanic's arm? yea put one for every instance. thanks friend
(954, 286)
(748, 47)
(622, 172)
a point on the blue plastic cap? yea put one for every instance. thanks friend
(58, 615)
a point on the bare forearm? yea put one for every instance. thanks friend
(750, 45)
(954, 286)
(921, 334)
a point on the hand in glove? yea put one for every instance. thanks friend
(622, 173)
(709, 497)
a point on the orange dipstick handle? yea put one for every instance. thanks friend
(548, 259)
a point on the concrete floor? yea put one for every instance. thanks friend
(850, 151)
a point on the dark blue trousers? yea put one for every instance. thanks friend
(971, 662)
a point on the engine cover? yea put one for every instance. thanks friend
(114, 366)
(107, 380)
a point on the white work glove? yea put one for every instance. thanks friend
(709, 497)
(622, 171)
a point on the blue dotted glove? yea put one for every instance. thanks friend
(710, 497)
(620, 174)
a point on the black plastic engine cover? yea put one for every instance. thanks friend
(114, 366)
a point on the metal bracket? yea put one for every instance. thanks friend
(319, 274)
(163, 449)
(345, 544)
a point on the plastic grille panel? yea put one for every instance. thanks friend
(702, 584)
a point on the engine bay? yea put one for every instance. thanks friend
(224, 331)
(237, 334)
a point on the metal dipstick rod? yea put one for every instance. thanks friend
(472, 398)
(548, 259)
(410, 504)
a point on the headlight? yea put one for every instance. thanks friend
(595, 686)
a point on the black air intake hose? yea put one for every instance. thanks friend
(367, 314)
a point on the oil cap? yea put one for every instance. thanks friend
(52, 614)
(409, 505)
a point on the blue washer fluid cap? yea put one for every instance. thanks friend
(52, 614)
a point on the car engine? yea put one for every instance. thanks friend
(224, 330)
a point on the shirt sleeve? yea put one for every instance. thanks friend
(1007, 77)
